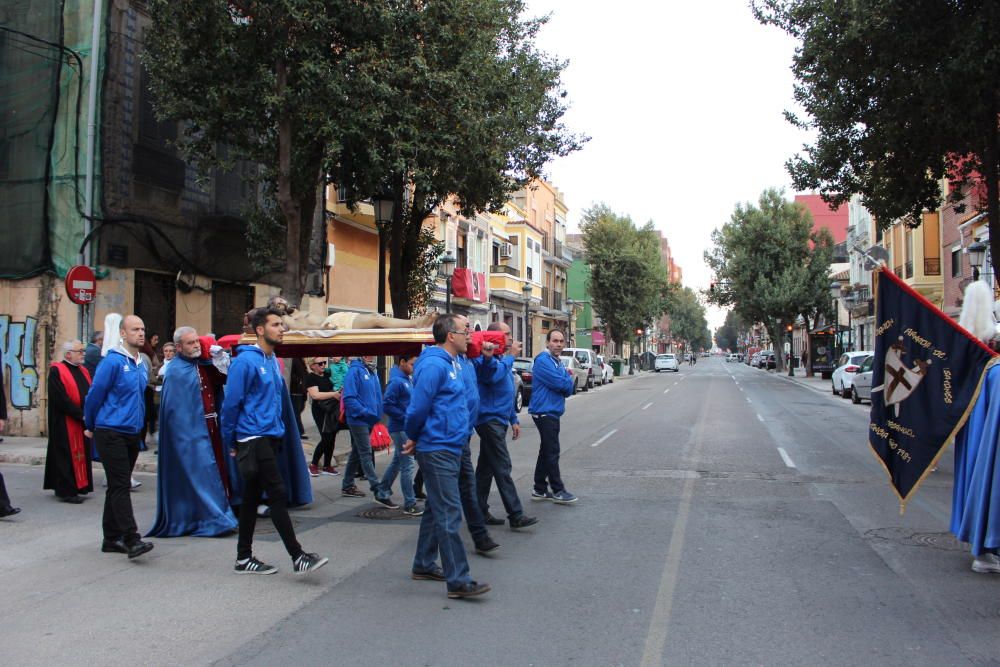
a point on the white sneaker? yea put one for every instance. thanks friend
(136, 483)
(987, 563)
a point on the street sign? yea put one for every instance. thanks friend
(81, 285)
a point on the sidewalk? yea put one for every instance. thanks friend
(31, 451)
(816, 382)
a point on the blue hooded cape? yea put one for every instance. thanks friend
(190, 496)
(975, 514)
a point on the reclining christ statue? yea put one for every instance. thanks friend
(301, 319)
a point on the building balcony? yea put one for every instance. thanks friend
(503, 268)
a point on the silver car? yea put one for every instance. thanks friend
(580, 374)
(841, 382)
(863, 381)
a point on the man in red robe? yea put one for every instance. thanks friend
(212, 381)
(68, 470)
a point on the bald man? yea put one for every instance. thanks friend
(114, 414)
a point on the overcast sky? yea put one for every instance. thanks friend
(684, 102)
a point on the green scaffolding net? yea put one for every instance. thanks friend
(45, 55)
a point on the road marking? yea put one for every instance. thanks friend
(659, 622)
(647, 405)
(741, 388)
(760, 418)
(666, 390)
(605, 437)
(748, 400)
(786, 458)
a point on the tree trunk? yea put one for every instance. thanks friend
(317, 240)
(807, 363)
(403, 247)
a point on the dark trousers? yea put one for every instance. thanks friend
(494, 464)
(547, 466)
(298, 405)
(118, 453)
(5, 505)
(470, 498)
(259, 470)
(442, 519)
(327, 440)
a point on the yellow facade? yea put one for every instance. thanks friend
(915, 256)
(352, 275)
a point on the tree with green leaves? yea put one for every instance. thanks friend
(727, 336)
(628, 283)
(687, 319)
(418, 100)
(901, 95)
(770, 266)
(468, 107)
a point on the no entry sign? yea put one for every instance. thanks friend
(81, 284)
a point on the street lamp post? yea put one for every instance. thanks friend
(384, 206)
(791, 353)
(446, 269)
(977, 255)
(526, 291)
(835, 293)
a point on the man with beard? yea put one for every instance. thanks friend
(192, 483)
(114, 414)
(68, 470)
(253, 422)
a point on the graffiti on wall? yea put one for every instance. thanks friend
(17, 349)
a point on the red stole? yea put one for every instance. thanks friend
(74, 428)
(205, 375)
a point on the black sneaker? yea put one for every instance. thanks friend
(434, 574)
(308, 562)
(352, 492)
(387, 502)
(414, 511)
(492, 520)
(468, 590)
(485, 547)
(253, 566)
(523, 521)
(139, 548)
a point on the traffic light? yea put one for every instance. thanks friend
(638, 332)
(789, 328)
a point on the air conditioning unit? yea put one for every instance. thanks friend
(506, 250)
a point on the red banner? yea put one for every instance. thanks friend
(467, 284)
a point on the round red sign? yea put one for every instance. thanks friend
(81, 284)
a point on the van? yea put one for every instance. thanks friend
(587, 359)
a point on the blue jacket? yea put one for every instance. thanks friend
(550, 385)
(397, 399)
(117, 397)
(496, 391)
(362, 396)
(470, 375)
(252, 406)
(438, 416)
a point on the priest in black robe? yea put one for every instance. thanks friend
(68, 469)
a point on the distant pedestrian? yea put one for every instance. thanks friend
(437, 430)
(550, 385)
(68, 469)
(496, 413)
(92, 356)
(363, 409)
(326, 413)
(396, 400)
(252, 422)
(6, 509)
(297, 390)
(114, 416)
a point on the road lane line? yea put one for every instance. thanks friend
(666, 390)
(659, 622)
(760, 418)
(786, 458)
(647, 405)
(605, 437)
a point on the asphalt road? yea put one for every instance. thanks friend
(726, 516)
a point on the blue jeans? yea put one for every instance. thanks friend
(494, 463)
(474, 518)
(442, 519)
(361, 452)
(403, 465)
(547, 466)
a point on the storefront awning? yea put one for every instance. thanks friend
(596, 338)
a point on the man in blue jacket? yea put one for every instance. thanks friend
(114, 414)
(252, 421)
(474, 518)
(551, 383)
(362, 409)
(437, 428)
(395, 402)
(496, 413)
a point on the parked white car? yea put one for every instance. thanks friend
(862, 384)
(732, 356)
(580, 374)
(842, 381)
(587, 359)
(607, 373)
(666, 362)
